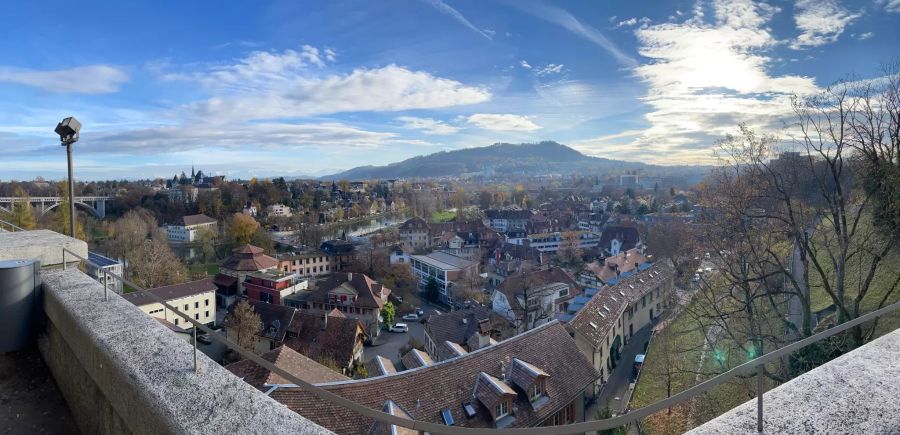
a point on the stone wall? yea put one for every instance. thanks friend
(121, 371)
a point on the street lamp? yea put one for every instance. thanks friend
(68, 130)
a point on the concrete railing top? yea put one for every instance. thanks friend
(45, 245)
(855, 393)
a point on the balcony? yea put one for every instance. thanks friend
(116, 369)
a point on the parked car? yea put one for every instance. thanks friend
(411, 317)
(203, 338)
(419, 311)
(400, 327)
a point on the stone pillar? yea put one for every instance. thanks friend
(100, 206)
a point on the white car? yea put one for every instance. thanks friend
(400, 327)
(411, 317)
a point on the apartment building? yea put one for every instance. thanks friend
(197, 299)
(448, 270)
(273, 287)
(190, 228)
(609, 319)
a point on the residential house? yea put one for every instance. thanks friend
(341, 253)
(503, 220)
(354, 294)
(607, 321)
(448, 270)
(97, 267)
(311, 264)
(190, 227)
(532, 297)
(551, 242)
(458, 332)
(279, 210)
(274, 322)
(234, 269)
(415, 233)
(607, 271)
(620, 238)
(398, 255)
(333, 338)
(537, 378)
(196, 299)
(415, 358)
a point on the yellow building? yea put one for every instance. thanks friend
(610, 318)
(197, 299)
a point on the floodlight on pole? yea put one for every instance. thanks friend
(68, 130)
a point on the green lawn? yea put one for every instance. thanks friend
(211, 269)
(443, 216)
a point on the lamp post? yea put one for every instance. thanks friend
(68, 130)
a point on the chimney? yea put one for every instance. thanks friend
(325, 322)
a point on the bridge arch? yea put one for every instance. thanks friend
(83, 205)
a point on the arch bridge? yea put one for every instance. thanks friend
(96, 205)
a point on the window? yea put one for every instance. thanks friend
(206, 314)
(197, 304)
(196, 316)
(176, 322)
(537, 390)
(501, 410)
(185, 307)
(207, 302)
(564, 292)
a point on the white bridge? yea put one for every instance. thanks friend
(94, 204)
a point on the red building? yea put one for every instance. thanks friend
(272, 287)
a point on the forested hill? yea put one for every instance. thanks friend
(498, 159)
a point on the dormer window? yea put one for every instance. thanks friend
(537, 390)
(502, 409)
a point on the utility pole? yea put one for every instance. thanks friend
(68, 130)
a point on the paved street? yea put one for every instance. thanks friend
(616, 392)
(388, 344)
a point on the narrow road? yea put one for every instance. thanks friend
(617, 392)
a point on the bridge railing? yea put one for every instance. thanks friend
(755, 366)
(9, 226)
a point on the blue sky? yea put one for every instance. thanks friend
(294, 88)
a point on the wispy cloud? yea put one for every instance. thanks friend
(449, 10)
(890, 5)
(502, 122)
(93, 79)
(525, 64)
(549, 69)
(820, 22)
(563, 18)
(428, 125)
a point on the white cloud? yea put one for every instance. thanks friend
(271, 85)
(564, 19)
(627, 23)
(428, 125)
(551, 68)
(864, 36)
(444, 8)
(502, 122)
(705, 78)
(820, 22)
(524, 64)
(93, 79)
(890, 5)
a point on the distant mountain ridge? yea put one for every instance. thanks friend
(500, 159)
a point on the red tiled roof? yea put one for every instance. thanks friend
(290, 361)
(599, 314)
(248, 258)
(426, 391)
(335, 339)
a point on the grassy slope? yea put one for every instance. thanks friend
(856, 271)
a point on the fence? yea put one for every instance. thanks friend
(756, 365)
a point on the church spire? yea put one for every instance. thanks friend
(193, 174)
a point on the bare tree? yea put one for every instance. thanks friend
(153, 264)
(245, 324)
